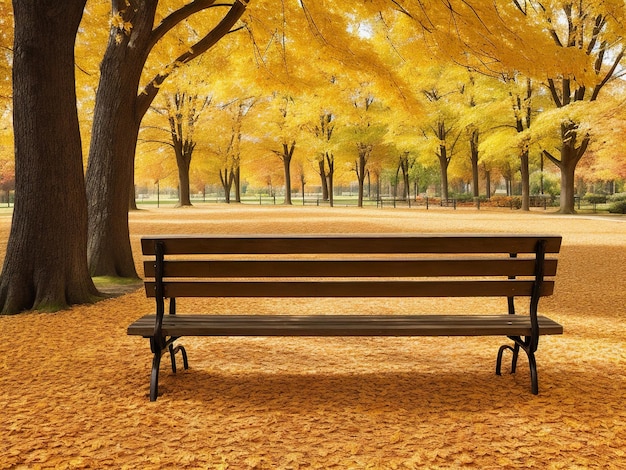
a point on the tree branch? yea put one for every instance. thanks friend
(553, 159)
(554, 93)
(608, 75)
(212, 37)
(179, 15)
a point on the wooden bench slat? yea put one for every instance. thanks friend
(315, 288)
(350, 268)
(379, 243)
(343, 325)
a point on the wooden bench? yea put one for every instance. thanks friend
(348, 266)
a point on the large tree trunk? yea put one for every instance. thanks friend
(112, 152)
(568, 171)
(117, 116)
(570, 156)
(109, 174)
(45, 267)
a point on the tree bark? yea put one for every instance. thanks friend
(184, 195)
(330, 160)
(45, 267)
(113, 141)
(118, 113)
(570, 156)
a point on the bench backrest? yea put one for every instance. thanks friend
(423, 265)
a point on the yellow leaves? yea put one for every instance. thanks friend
(319, 402)
(124, 27)
(117, 21)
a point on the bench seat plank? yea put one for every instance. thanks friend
(343, 325)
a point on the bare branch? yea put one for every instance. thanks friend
(607, 76)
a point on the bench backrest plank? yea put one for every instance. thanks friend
(383, 244)
(234, 268)
(350, 266)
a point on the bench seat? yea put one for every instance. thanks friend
(343, 325)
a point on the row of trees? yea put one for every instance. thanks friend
(468, 119)
(572, 50)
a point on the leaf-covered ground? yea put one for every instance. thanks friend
(74, 386)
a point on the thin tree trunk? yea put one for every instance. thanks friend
(227, 178)
(361, 164)
(474, 160)
(237, 182)
(443, 167)
(184, 195)
(330, 160)
(286, 157)
(525, 173)
(323, 179)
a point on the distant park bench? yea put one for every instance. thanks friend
(448, 202)
(348, 266)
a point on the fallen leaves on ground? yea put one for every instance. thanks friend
(74, 386)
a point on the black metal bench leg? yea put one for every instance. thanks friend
(172, 358)
(173, 350)
(501, 353)
(532, 363)
(154, 376)
(534, 383)
(514, 358)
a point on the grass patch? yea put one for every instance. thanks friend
(115, 286)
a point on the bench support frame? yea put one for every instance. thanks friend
(529, 343)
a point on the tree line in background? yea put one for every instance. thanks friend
(473, 90)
